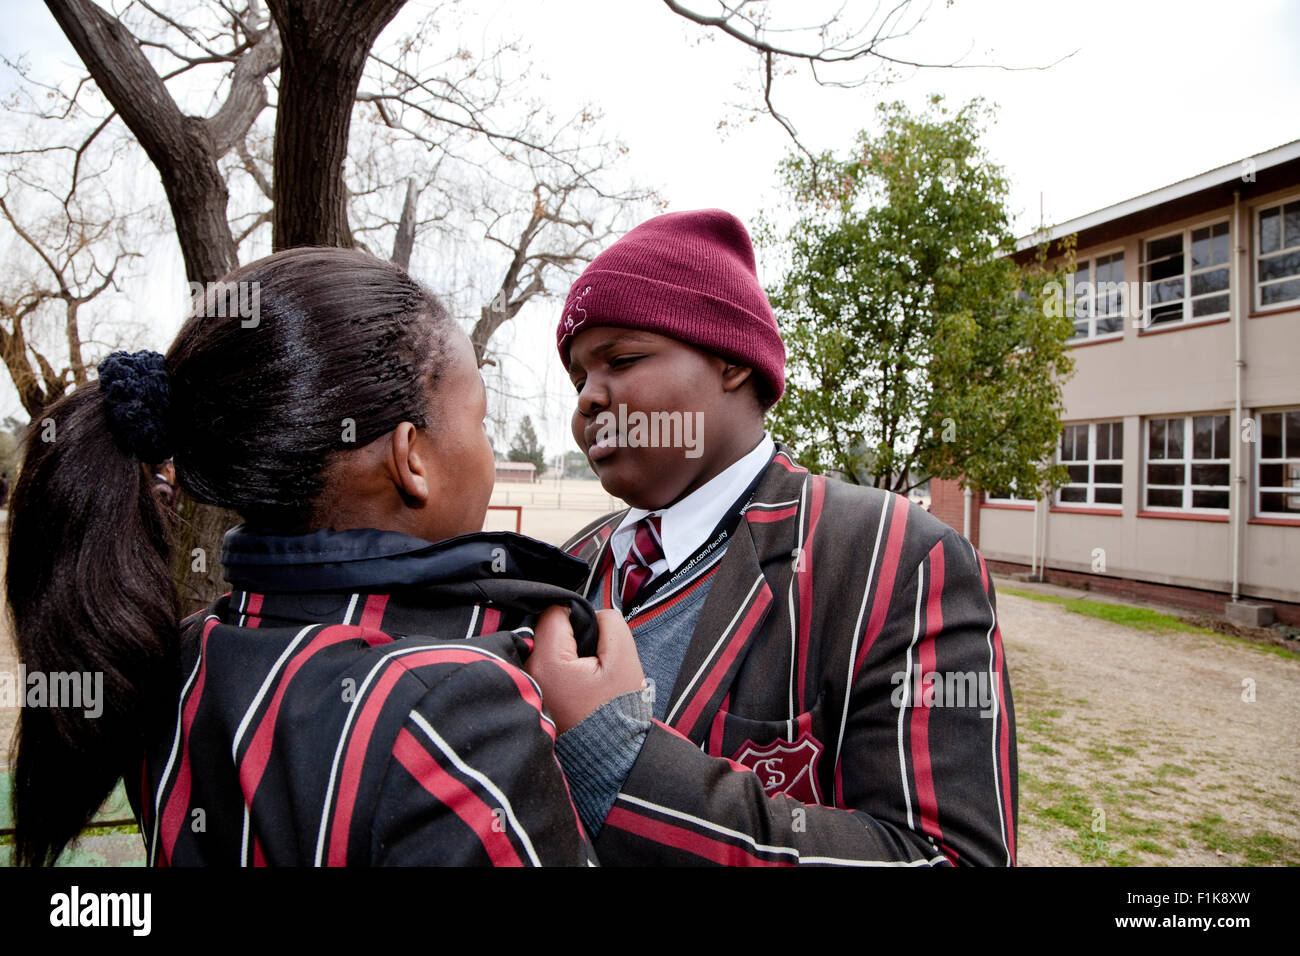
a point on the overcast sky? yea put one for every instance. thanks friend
(1153, 92)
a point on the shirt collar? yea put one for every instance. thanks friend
(687, 524)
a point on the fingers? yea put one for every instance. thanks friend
(616, 651)
(553, 635)
(572, 686)
(614, 643)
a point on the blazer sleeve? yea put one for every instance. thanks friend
(921, 777)
(473, 780)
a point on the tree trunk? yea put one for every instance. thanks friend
(325, 46)
(404, 241)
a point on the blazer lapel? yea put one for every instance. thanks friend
(595, 551)
(739, 602)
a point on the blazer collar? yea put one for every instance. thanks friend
(369, 559)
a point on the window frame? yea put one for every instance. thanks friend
(1187, 297)
(1260, 461)
(1009, 500)
(1092, 461)
(1124, 305)
(1257, 239)
(1188, 460)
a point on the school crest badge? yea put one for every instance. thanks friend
(785, 767)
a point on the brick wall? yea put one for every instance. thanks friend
(948, 504)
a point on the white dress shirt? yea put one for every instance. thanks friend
(687, 524)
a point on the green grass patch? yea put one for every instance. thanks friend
(1096, 848)
(1214, 833)
(1147, 846)
(1110, 753)
(1259, 848)
(1268, 849)
(1139, 617)
(117, 828)
(1144, 619)
(1044, 749)
(1039, 723)
(1284, 652)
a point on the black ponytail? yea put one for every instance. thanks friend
(253, 405)
(91, 594)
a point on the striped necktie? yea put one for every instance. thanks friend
(647, 548)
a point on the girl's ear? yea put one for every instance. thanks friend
(406, 466)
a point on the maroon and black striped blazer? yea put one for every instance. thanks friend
(806, 724)
(365, 723)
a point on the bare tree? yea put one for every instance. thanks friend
(840, 45)
(73, 276)
(194, 90)
(184, 149)
(66, 248)
(545, 245)
(489, 170)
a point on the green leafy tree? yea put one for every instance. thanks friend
(525, 447)
(917, 346)
(577, 466)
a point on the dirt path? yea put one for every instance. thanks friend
(1142, 748)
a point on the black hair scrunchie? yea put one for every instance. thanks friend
(136, 398)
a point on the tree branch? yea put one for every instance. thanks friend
(247, 95)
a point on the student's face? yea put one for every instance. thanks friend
(457, 445)
(645, 373)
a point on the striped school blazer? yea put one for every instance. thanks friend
(844, 698)
(357, 700)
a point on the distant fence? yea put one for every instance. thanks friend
(556, 499)
(519, 515)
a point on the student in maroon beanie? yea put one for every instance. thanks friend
(827, 681)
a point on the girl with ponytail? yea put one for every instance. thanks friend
(357, 697)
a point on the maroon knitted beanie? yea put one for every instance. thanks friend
(689, 276)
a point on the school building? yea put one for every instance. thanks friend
(1182, 420)
(516, 471)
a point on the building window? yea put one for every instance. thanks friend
(1278, 261)
(1278, 479)
(1093, 454)
(1187, 275)
(1010, 498)
(1098, 295)
(1188, 462)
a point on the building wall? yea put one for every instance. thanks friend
(1168, 372)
